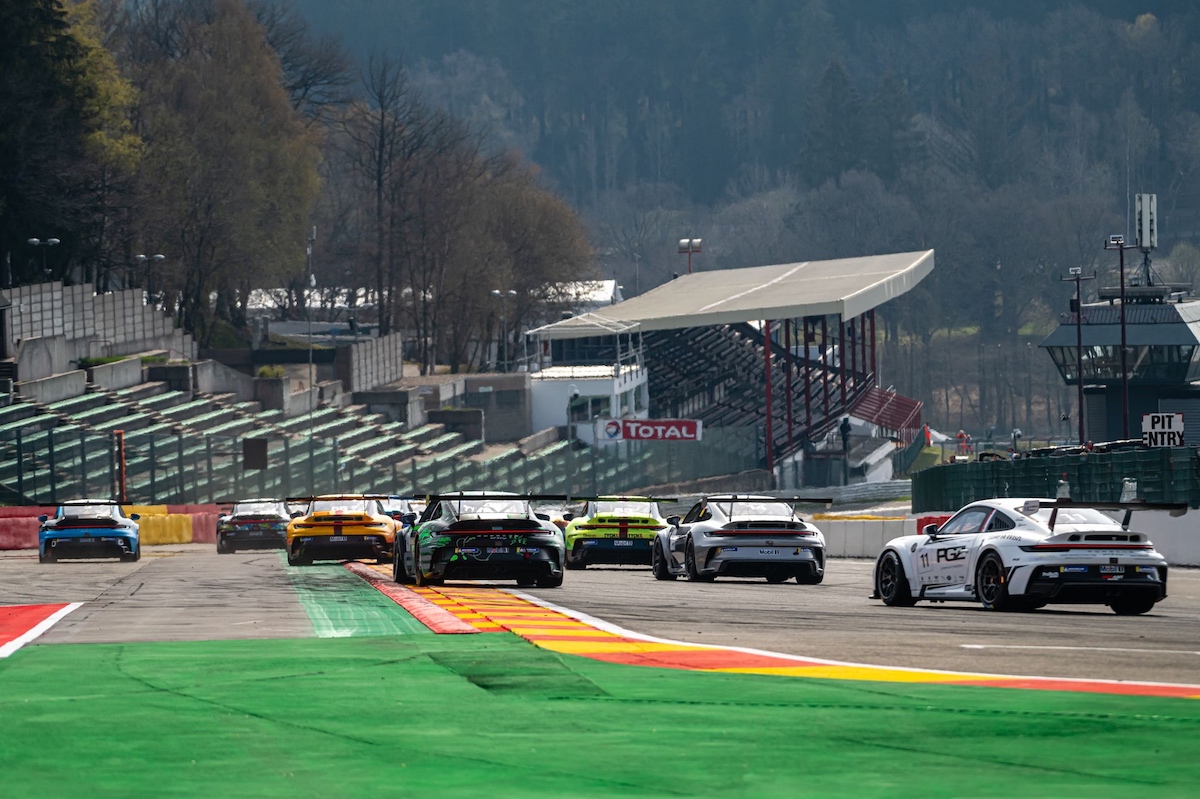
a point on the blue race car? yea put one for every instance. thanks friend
(89, 528)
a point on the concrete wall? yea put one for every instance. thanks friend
(113, 376)
(371, 363)
(177, 376)
(52, 389)
(96, 325)
(212, 377)
(467, 421)
(1176, 538)
(42, 356)
(398, 404)
(505, 400)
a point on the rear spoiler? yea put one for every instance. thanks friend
(1176, 509)
(335, 497)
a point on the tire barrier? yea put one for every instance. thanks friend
(159, 524)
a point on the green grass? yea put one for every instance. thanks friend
(491, 715)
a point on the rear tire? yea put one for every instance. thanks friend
(223, 548)
(1132, 606)
(298, 560)
(574, 562)
(810, 578)
(991, 583)
(776, 577)
(658, 563)
(526, 582)
(47, 557)
(890, 583)
(399, 570)
(693, 573)
(133, 557)
(550, 581)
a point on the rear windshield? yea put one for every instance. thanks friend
(470, 507)
(259, 509)
(743, 508)
(627, 508)
(344, 506)
(90, 511)
(1081, 516)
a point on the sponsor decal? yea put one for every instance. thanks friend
(1073, 569)
(1147, 570)
(652, 429)
(951, 554)
(467, 550)
(1050, 575)
(1112, 569)
(590, 542)
(726, 549)
(769, 552)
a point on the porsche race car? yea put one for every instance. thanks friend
(613, 530)
(1022, 554)
(89, 528)
(740, 535)
(336, 527)
(481, 535)
(253, 524)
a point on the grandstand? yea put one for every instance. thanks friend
(705, 335)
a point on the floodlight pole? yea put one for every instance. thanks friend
(312, 239)
(767, 371)
(689, 246)
(1077, 277)
(1118, 243)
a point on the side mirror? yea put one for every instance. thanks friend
(673, 521)
(543, 516)
(408, 518)
(568, 516)
(930, 530)
(43, 518)
(135, 516)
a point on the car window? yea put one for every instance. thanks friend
(1000, 521)
(273, 508)
(90, 511)
(968, 521)
(627, 508)
(343, 506)
(693, 514)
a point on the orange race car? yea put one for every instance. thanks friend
(337, 527)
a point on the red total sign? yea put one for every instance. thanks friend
(652, 429)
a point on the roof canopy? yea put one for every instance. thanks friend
(847, 286)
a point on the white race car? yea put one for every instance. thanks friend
(1022, 554)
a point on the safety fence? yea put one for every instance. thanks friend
(50, 466)
(159, 524)
(1168, 474)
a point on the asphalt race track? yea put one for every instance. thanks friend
(188, 593)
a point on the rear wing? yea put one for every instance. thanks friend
(1176, 509)
(723, 498)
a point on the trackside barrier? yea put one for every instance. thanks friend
(159, 524)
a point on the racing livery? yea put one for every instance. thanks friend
(740, 535)
(336, 527)
(481, 535)
(613, 530)
(89, 528)
(1022, 554)
(253, 524)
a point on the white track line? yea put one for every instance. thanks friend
(34, 632)
(1082, 649)
(616, 630)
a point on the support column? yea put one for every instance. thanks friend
(767, 370)
(825, 362)
(787, 366)
(842, 360)
(854, 350)
(807, 382)
(874, 369)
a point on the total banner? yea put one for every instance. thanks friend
(648, 429)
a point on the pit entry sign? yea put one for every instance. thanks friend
(1162, 429)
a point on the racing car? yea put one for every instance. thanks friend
(336, 527)
(253, 524)
(613, 530)
(1022, 554)
(89, 528)
(740, 535)
(480, 535)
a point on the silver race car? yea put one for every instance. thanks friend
(1022, 554)
(740, 535)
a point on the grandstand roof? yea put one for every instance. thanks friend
(846, 286)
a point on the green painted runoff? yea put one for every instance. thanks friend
(491, 715)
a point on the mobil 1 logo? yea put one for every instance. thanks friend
(1162, 429)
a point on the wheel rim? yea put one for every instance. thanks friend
(887, 577)
(655, 560)
(989, 580)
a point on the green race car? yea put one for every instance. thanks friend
(613, 530)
